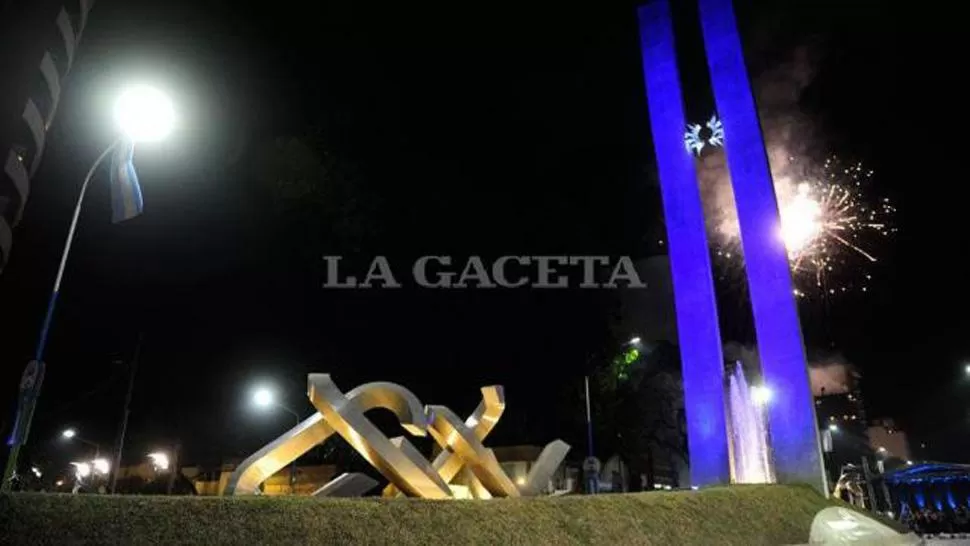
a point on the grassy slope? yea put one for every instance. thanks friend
(742, 515)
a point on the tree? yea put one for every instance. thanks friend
(639, 407)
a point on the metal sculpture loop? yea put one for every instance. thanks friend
(409, 473)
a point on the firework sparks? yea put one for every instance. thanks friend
(828, 224)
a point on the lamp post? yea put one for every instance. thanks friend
(143, 114)
(132, 368)
(263, 397)
(160, 460)
(71, 434)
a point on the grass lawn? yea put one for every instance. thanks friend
(741, 515)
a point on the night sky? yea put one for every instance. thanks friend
(444, 128)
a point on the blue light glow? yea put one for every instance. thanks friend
(920, 498)
(949, 497)
(697, 325)
(795, 444)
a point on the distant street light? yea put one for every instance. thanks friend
(143, 114)
(159, 460)
(966, 369)
(264, 398)
(635, 341)
(833, 427)
(71, 434)
(36, 471)
(101, 466)
(83, 470)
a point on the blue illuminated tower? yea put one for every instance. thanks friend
(794, 434)
(795, 446)
(690, 261)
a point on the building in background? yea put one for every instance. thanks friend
(840, 409)
(309, 478)
(888, 441)
(38, 46)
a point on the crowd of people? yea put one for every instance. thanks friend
(930, 521)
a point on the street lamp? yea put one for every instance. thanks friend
(264, 398)
(833, 427)
(143, 114)
(635, 340)
(83, 470)
(101, 466)
(159, 460)
(71, 434)
(966, 369)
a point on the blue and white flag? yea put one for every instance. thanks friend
(126, 202)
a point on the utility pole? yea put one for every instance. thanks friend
(126, 412)
(589, 420)
(175, 468)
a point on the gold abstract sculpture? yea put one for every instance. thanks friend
(408, 472)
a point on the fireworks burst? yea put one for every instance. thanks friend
(828, 226)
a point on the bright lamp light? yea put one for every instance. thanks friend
(263, 397)
(761, 395)
(159, 459)
(69, 433)
(83, 470)
(144, 113)
(101, 466)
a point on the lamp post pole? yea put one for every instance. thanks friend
(29, 396)
(97, 447)
(125, 413)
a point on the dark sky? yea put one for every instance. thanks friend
(443, 128)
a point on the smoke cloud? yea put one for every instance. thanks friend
(789, 140)
(828, 374)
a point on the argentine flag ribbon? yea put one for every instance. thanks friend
(126, 201)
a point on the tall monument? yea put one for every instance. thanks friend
(791, 416)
